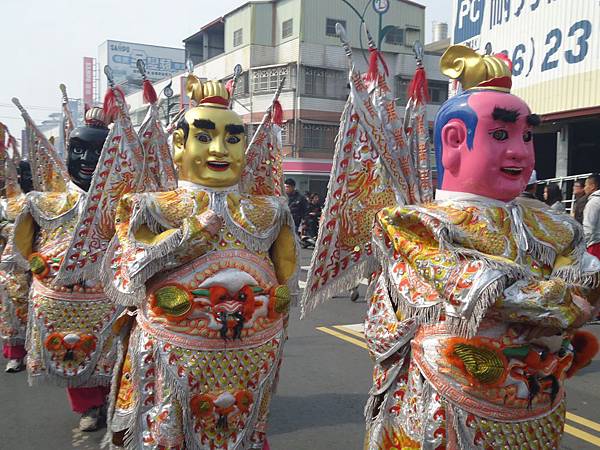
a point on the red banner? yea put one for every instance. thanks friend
(88, 81)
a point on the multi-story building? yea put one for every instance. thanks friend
(296, 39)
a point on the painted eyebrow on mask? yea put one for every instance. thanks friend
(534, 120)
(204, 124)
(234, 129)
(505, 115)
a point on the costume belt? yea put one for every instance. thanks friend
(484, 387)
(222, 300)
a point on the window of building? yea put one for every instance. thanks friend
(412, 34)
(325, 83)
(318, 137)
(330, 26)
(402, 91)
(287, 28)
(267, 80)
(438, 91)
(238, 37)
(395, 36)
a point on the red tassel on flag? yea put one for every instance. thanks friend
(111, 109)
(418, 88)
(149, 92)
(277, 113)
(374, 58)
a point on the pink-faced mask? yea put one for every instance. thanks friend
(502, 157)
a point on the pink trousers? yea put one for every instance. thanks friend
(84, 399)
(14, 351)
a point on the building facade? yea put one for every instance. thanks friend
(296, 39)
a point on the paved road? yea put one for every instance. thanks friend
(322, 390)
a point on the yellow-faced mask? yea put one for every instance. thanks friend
(210, 145)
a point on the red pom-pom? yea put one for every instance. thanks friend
(585, 346)
(111, 108)
(418, 88)
(149, 92)
(504, 57)
(277, 113)
(229, 87)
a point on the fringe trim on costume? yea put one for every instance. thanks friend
(107, 279)
(574, 275)
(133, 432)
(345, 281)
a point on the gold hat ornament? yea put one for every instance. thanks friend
(211, 93)
(475, 71)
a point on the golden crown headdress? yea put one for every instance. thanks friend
(475, 71)
(211, 92)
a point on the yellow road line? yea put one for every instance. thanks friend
(583, 421)
(582, 435)
(349, 331)
(343, 337)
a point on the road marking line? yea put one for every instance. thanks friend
(583, 421)
(349, 331)
(580, 434)
(343, 337)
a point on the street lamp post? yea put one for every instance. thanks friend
(168, 91)
(380, 7)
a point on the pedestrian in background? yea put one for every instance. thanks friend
(296, 202)
(528, 196)
(580, 200)
(553, 198)
(591, 215)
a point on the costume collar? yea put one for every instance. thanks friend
(442, 195)
(199, 187)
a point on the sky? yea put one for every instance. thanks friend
(42, 42)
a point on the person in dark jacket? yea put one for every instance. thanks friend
(580, 200)
(296, 201)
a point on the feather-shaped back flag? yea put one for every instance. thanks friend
(48, 170)
(263, 174)
(374, 166)
(119, 171)
(159, 169)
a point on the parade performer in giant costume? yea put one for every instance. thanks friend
(69, 339)
(14, 282)
(474, 309)
(209, 264)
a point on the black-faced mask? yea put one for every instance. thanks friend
(85, 146)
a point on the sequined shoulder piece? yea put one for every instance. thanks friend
(257, 214)
(51, 206)
(14, 206)
(556, 230)
(170, 208)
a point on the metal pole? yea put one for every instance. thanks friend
(380, 36)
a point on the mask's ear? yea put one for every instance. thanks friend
(179, 144)
(454, 140)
